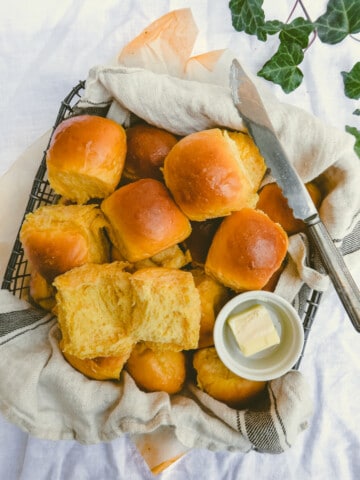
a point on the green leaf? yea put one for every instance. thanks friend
(354, 131)
(272, 27)
(352, 81)
(342, 17)
(297, 31)
(356, 112)
(282, 67)
(249, 17)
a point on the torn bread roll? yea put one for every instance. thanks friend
(86, 157)
(247, 249)
(57, 238)
(144, 219)
(212, 173)
(94, 308)
(103, 310)
(167, 310)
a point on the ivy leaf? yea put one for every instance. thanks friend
(297, 31)
(356, 112)
(354, 131)
(249, 17)
(282, 67)
(352, 81)
(272, 27)
(342, 17)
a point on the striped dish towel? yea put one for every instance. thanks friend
(42, 394)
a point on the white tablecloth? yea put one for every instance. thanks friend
(46, 47)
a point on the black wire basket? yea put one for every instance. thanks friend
(17, 274)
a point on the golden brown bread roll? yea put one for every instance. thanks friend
(94, 308)
(213, 297)
(273, 203)
(211, 174)
(86, 157)
(100, 368)
(144, 220)
(147, 147)
(200, 239)
(172, 257)
(41, 291)
(247, 249)
(214, 378)
(166, 311)
(270, 285)
(157, 370)
(57, 238)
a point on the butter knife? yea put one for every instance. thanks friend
(251, 109)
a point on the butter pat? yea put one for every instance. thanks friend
(254, 330)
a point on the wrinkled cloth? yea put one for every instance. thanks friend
(49, 399)
(184, 106)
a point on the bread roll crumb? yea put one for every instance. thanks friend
(166, 308)
(94, 305)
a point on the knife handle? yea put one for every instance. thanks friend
(337, 270)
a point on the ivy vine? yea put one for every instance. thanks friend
(340, 20)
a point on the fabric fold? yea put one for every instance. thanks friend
(49, 399)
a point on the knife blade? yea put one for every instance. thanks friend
(255, 117)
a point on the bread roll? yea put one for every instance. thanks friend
(86, 157)
(57, 238)
(103, 309)
(247, 249)
(200, 239)
(271, 284)
(172, 257)
(144, 220)
(211, 174)
(147, 147)
(213, 297)
(94, 307)
(41, 291)
(167, 311)
(214, 378)
(157, 370)
(274, 203)
(100, 368)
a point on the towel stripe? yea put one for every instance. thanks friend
(261, 430)
(40, 323)
(12, 321)
(278, 416)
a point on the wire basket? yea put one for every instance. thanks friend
(17, 274)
